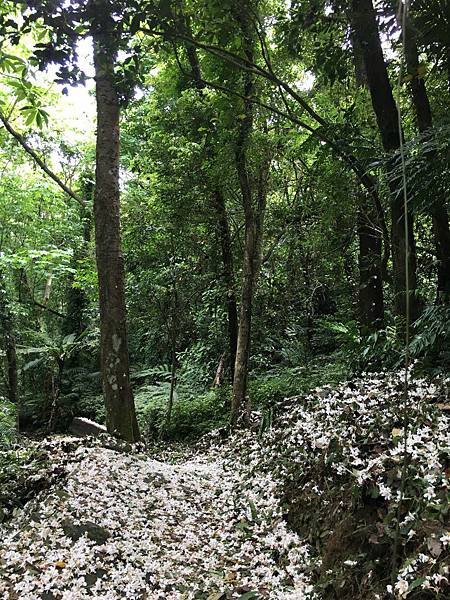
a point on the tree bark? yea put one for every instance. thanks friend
(254, 204)
(252, 260)
(438, 208)
(370, 291)
(120, 411)
(173, 350)
(9, 344)
(228, 275)
(218, 203)
(365, 30)
(370, 297)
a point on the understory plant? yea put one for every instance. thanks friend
(8, 429)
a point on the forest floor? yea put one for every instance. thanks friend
(122, 525)
(217, 520)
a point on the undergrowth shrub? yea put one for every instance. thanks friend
(19, 463)
(192, 415)
(7, 423)
(431, 342)
(91, 406)
(384, 349)
(268, 389)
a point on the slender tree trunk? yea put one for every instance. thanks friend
(228, 276)
(218, 202)
(254, 204)
(9, 344)
(238, 400)
(173, 375)
(438, 208)
(370, 297)
(365, 30)
(120, 412)
(173, 350)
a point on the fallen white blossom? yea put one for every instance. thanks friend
(126, 526)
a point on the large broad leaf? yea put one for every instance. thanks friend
(33, 363)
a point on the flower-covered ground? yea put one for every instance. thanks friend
(353, 462)
(126, 526)
(337, 466)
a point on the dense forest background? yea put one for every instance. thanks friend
(224, 233)
(261, 199)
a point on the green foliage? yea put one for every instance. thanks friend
(91, 406)
(384, 349)
(63, 384)
(20, 477)
(381, 350)
(348, 338)
(7, 423)
(272, 387)
(430, 345)
(193, 414)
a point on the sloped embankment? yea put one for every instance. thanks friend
(339, 455)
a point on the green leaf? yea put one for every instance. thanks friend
(416, 583)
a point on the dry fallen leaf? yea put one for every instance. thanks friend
(434, 546)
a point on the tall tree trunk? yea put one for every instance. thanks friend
(252, 261)
(120, 411)
(228, 275)
(173, 349)
(370, 292)
(438, 208)
(254, 204)
(218, 202)
(365, 30)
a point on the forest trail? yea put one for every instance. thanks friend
(126, 526)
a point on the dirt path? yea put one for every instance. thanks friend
(126, 526)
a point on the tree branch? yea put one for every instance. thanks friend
(48, 309)
(365, 178)
(29, 150)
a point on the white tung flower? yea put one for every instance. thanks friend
(402, 587)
